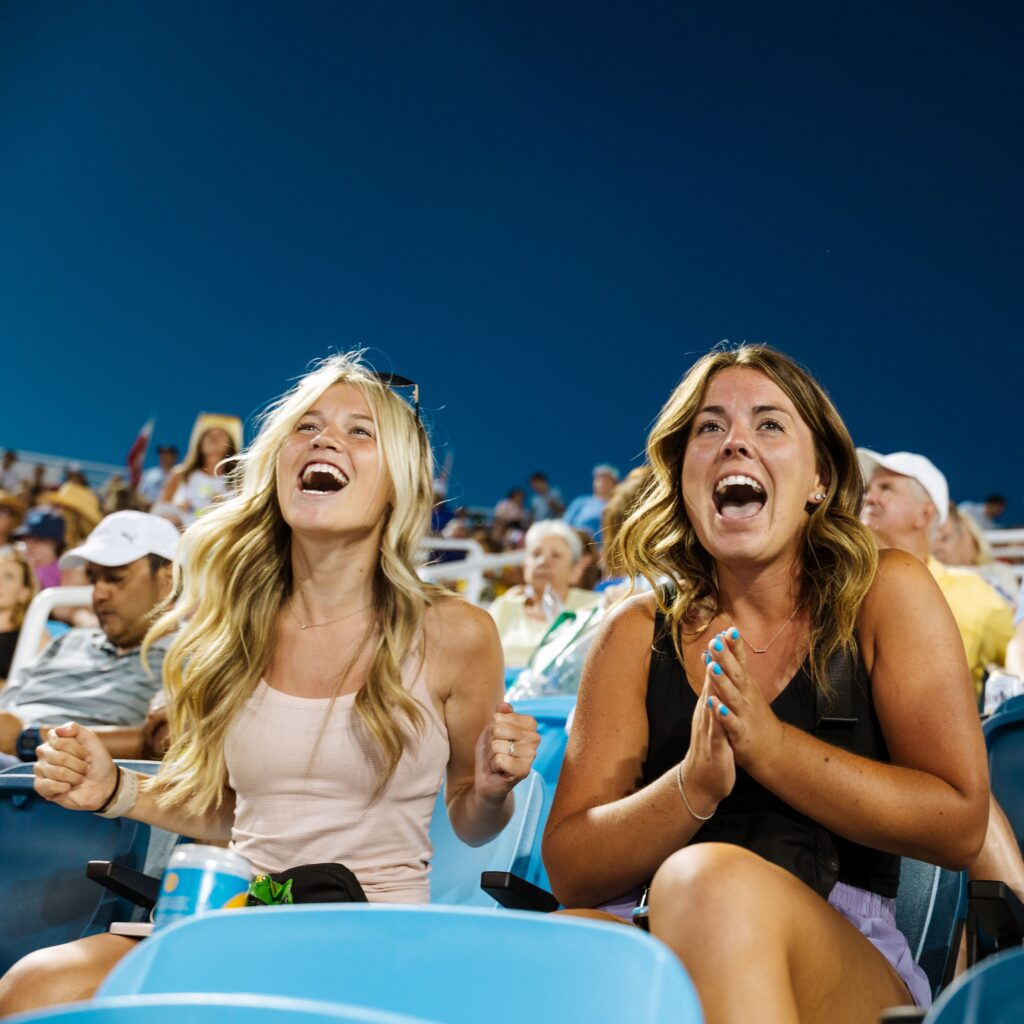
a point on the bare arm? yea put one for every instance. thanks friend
(605, 834)
(76, 771)
(1015, 652)
(171, 484)
(466, 654)
(931, 802)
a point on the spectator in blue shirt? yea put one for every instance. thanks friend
(153, 480)
(546, 502)
(585, 511)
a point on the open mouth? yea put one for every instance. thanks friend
(739, 497)
(321, 478)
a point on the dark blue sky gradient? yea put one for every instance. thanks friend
(541, 212)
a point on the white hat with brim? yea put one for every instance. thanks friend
(124, 537)
(917, 467)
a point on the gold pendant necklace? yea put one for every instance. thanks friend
(331, 622)
(761, 650)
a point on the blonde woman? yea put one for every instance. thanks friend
(18, 586)
(764, 738)
(319, 691)
(202, 479)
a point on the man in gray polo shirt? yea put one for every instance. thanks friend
(95, 676)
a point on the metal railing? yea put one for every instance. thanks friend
(1008, 547)
(97, 473)
(469, 570)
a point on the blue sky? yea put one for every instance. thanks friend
(541, 212)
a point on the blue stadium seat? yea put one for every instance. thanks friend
(930, 911)
(1004, 737)
(990, 993)
(456, 867)
(45, 895)
(209, 1008)
(551, 714)
(460, 965)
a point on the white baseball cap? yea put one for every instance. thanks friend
(917, 467)
(124, 537)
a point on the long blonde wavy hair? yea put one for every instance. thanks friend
(234, 574)
(839, 557)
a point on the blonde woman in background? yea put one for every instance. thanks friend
(961, 542)
(319, 691)
(204, 476)
(18, 586)
(698, 758)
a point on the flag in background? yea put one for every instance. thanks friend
(137, 452)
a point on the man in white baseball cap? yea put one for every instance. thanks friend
(122, 538)
(95, 676)
(906, 496)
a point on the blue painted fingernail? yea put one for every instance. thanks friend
(707, 658)
(717, 645)
(724, 710)
(711, 703)
(734, 633)
(716, 668)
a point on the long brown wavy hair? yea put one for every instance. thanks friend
(839, 557)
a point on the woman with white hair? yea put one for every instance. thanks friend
(525, 613)
(319, 691)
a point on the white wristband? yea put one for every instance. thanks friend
(126, 798)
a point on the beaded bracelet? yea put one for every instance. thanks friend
(682, 793)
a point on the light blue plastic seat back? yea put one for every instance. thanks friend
(992, 992)
(1004, 737)
(460, 965)
(930, 910)
(551, 714)
(45, 895)
(456, 867)
(212, 1008)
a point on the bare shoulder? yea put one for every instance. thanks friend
(901, 577)
(455, 628)
(630, 622)
(903, 607)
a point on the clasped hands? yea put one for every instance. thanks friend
(733, 724)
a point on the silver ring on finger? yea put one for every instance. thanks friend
(511, 748)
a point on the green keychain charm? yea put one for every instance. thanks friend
(264, 891)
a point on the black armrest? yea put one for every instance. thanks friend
(999, 911)
(132, 885)
(515, 893)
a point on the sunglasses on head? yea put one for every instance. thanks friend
(396, 381)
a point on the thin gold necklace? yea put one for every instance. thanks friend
(331, 622)
(761, 650)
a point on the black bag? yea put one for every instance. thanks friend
(322, 883)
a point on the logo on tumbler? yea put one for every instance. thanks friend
(170, 882)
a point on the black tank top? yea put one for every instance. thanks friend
(753, 817)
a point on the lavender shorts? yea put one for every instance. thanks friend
(872, 915)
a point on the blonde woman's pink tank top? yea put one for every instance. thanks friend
(304, 791)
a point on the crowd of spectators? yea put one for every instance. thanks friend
(121, 538)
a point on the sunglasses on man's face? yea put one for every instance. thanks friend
(396, 381)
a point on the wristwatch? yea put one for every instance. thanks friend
(27, 741)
